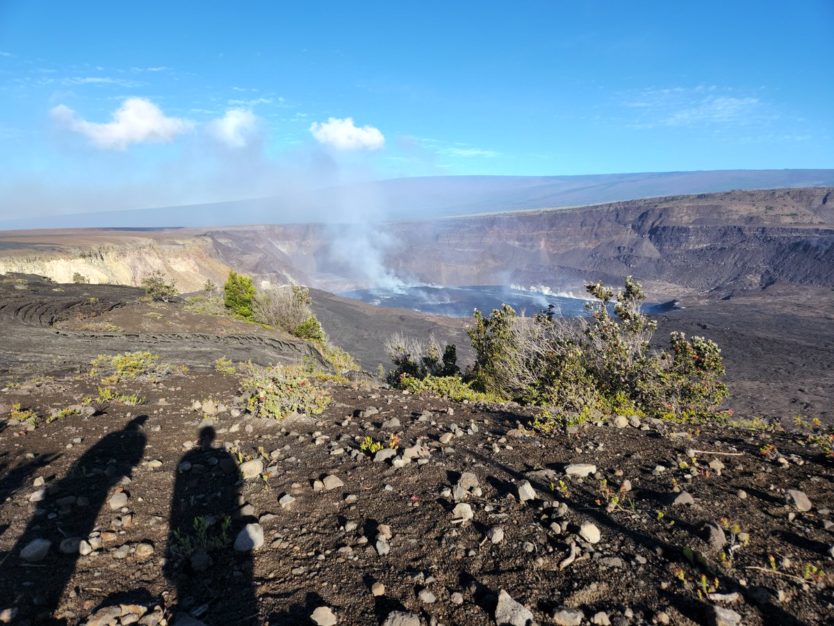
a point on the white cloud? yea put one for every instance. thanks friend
(713, 110)
(702, 106)
(137, 120)
(252, 102)
(235, 128)
(99, 80)
(343, 134)
(470, 152)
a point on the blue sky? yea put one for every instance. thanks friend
(124, 105)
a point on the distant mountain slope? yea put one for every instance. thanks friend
(675, 245)
(431, 197)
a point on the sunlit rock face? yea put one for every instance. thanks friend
(675, 246)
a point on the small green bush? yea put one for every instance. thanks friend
(451, 387)
(311, 330)
(239, 295)
(79, 279)
(124, 366)
(158, 289)
(340, 360)
(281, 391)
(224, 366)
(576, 370)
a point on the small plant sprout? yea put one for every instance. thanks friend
(370, 446)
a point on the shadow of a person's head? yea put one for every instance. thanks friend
(207, 435)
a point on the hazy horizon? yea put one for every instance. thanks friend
(111, 107)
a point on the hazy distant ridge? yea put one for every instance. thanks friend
(441, 196)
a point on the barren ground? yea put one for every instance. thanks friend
(770, 563)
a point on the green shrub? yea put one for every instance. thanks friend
(79, 279)
(311, 330)
(494, 344)
(451, 387)
(224, 366)
(575, 370)
(340, 360)
(280, 391)
(19, 414)
(239, 295)
(158, 289)
(124, 366)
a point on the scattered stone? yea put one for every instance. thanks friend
(401, 618)
(621, 421)
(382, 546)
(601, 619)
(580, 469)
(714, 535)
(725, 617)
(683, 499)
(590, 533)
(144, 551)
(286, 501)
(35, 550)
(332, 482)
(495, 534)
(71, 545)
(384, 454)
(459, 494)
(799, 500)
(468, 481)
(568, 617)
(716, 466)
(118, 500)
(462, 512)
(7, 615)
(38, 495)
(250, 538)
(509, 612)
(252, 469)
(323, 616)
(526, 491)
(742, 494)
(729, 598)
(456, 598)
(446, 438)
(391, 424)
(378, 589)
(121, 552)
(427, 597)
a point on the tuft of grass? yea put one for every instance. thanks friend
(224, 366)
(20, 414)
(451, 387)
(281, 391)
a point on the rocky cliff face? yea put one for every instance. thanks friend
(675, 245)
(114, 257)
(692, 243)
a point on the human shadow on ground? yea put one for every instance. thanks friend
(214, 582)
(14, 475)
(69, 509)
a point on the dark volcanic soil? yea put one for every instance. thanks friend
(129, 480)
(322, 550)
